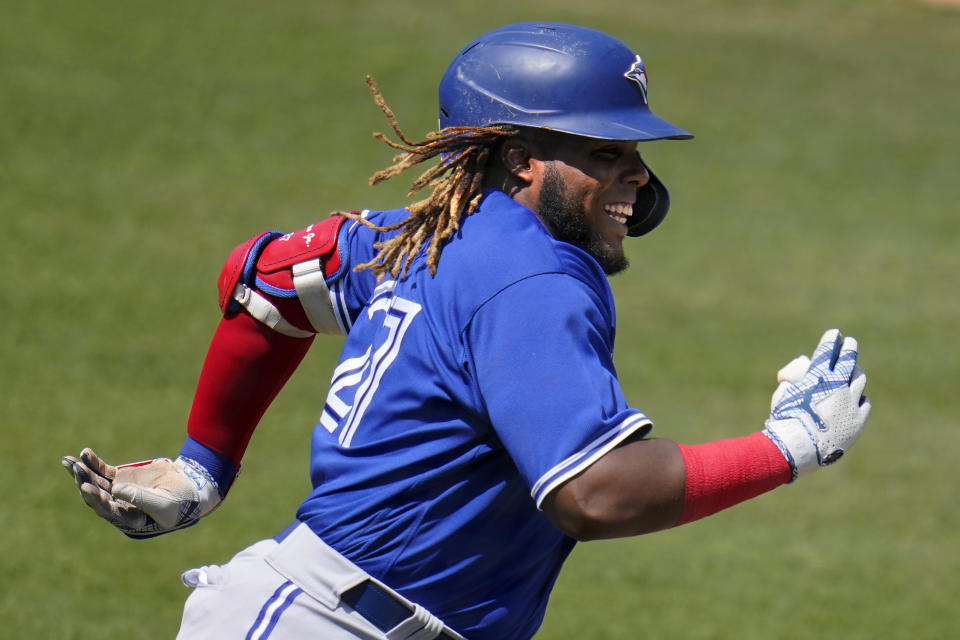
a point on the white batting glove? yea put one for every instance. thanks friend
(145, 499)
(819, 410)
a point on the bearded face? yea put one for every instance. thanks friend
(566, 213)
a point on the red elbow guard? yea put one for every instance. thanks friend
(727, 472)
(281, 279)
(237, 269)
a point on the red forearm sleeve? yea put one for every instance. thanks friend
(246, 366)
(724, 473)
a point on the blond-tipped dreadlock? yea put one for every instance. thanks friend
(457, 181)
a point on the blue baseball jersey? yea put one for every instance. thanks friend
(459, 402)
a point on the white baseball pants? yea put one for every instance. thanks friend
(299, 588)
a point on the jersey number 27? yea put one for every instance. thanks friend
(355, 380)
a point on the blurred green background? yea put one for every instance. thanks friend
(140, 141)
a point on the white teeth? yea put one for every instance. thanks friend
(619, 211)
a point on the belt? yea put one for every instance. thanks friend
(379, 606)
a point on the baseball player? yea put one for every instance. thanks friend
(474, 428)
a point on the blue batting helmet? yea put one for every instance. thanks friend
(563, 78)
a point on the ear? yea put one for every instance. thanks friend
(518, 159)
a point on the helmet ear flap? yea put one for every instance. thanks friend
(653, 202)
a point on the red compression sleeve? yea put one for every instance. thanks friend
(724, 473)
(246, 366)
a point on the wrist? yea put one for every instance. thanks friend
(795, 443)
(724, 473)
(220, 468)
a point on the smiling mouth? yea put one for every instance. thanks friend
(619, 211)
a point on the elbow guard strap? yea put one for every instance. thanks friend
(264, 311)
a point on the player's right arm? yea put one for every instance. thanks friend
(817, 413)
(276, 292)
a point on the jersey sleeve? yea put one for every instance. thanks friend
(541, 352)
(358, 245)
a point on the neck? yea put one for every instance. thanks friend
(522, 192)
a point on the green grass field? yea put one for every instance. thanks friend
(139, 142)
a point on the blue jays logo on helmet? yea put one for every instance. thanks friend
(638, 74)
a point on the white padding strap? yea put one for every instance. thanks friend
(314, 296)
(264, 311)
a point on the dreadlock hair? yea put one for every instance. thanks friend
(456, 181)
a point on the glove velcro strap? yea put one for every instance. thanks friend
(796, 444)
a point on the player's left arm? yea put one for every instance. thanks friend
(270, 316)
(817, 413)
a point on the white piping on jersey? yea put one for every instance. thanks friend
(582, 459)
(338, 300)
(338, 294)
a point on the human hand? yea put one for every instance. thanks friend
(145, 499)
(818, 411)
